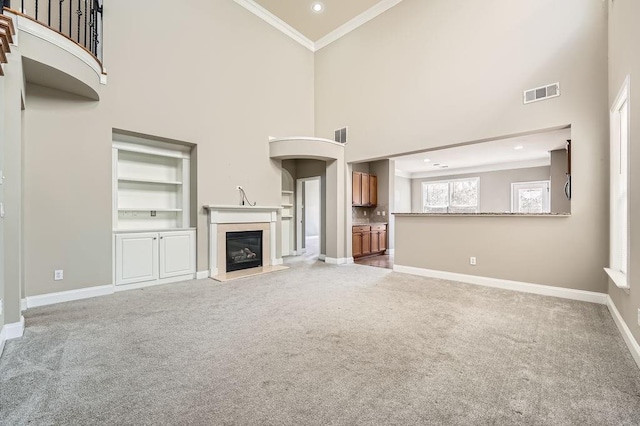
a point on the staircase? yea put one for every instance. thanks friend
(7, 31)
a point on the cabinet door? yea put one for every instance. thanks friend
(383, 240)
(373, 190)
(366, 243)
(375, 241)
(365, 189)
(356, 196)
(136, 258)
(177, 253)
(357, 244)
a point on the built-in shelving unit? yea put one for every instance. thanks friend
(287, 222)
(151, 187)
(153, 239)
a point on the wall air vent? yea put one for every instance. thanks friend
(542, 93)
(340, 135)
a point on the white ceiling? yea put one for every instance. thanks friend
(314, 26)
(497, 154)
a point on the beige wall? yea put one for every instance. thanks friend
(219, 77)
(624, 59)
(495, 187)
(435, 73)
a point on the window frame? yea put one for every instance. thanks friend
(620, 122)
(546, 202)
(450, 183)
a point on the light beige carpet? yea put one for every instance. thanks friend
(320, 344)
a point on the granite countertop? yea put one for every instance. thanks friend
(362, 223)
(482, 214)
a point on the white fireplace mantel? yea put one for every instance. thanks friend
(225, 214)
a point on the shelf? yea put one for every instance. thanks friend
(287, 192)
(146, 209)
(287, 205)
(287, 216)
(153, 181)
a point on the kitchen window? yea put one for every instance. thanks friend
(451, 196)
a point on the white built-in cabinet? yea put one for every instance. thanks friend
(153, 239)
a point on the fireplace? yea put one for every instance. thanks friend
(243, 250)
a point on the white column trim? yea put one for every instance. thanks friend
(14, 330)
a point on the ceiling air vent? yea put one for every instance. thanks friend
(542, 93)
(340, 135)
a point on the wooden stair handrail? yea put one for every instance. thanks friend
(9, 22)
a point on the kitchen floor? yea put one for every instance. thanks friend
(382, 261)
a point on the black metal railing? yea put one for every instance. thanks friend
(80, 20)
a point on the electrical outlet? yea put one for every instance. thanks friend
(384, 213)
(378, 213)
(472, 261)
(58, 275)
(365, 213)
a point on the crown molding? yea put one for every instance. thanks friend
(334, 35)
(276, 22)
(356, 22)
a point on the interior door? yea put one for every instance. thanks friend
(136, 258)
(177, 253)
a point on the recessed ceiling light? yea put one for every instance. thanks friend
(519, 147)
(317, 7)
(426, 160)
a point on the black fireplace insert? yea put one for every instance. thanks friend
(244, 250)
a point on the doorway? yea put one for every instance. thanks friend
(308, 216)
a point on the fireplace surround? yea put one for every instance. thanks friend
(224, 219)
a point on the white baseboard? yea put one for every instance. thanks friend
(278, 261)
(202, 274)
(350, 261)
(337, 261)
(391, 251)
(23, 305)
(161, 281)
(3, 338)
(545, 290)
(322, 256)
(631, 342)
(68, 296)
(14, 330)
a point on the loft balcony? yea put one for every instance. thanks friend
(59, 43)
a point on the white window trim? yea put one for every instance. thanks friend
(546, 201)
(619, 277)
(449, 182)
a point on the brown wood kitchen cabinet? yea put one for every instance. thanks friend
(369, 239)
(364, 189)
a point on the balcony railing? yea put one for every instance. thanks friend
(79, 20)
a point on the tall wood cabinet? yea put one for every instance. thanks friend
(364, 189)
(153, 239)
